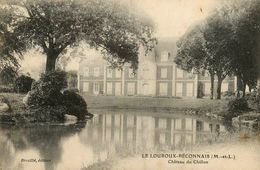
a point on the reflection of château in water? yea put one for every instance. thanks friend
(143, 133)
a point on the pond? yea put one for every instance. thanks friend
(129, 140)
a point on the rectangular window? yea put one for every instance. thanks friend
(162, 123)
(96, 88)
(118, 73)
(224, 87)
(164, 56)
(179, 73)
(109, 88)
(109, 73)
(131, 88)
(163, 73)
(207, 87)
(96, 72)
(163, 89)
(85, 86)
(188, 123)
(118, 88)
(131, 73)
(179, 89)
(86, 72)
(189, 87)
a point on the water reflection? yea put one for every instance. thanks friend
(23, 143)
(136, 133)
(107, 136)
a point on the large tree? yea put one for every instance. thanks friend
(192, 54)
(54, 25)
(220, 43)
(247, 28)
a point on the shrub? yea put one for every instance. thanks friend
(235, 108)
(238, 105)
(47, 91)
(56, 80)
(6, 89)
(47, 102)
(48, 113)
(8, 74)
(23, 84)
(252, 99)
(228, 94)
(75, 104)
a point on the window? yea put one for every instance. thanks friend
(188, 123)
(96, 71)
(224, 87)
(163, 72)
(179, 73)
(179, 89)
(85, 86)
(109, 73)
(86, 72)
(118, 73)
(109, 88)
(189, 91)
(162, 123)
(163, 89)
(131, 88)
(199, 125)
(118, 88)
(164, 56)
(131, 73)
(207, 88)
(96, 88)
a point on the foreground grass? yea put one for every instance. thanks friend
(135, 103)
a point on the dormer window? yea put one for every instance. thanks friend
(165, 56)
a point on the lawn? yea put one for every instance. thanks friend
(135, 103)
(154, 103)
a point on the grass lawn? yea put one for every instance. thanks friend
(135, 103)
(154, 103)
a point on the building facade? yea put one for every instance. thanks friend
(157, 75)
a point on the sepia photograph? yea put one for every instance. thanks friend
(129, 84)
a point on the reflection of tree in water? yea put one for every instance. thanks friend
(7, 151)
(45, 138)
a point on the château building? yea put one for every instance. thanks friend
(157, 75)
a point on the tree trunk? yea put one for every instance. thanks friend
(211, 86)
(219, 87)
(51, 62)
(244, 89)
(250, 89)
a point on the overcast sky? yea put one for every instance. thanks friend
(172, 18)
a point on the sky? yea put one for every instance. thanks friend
(171, 17)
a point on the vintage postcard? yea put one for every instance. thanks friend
(129, 85)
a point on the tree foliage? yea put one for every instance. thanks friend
(8, 75)
(224, 44)
(55, 25)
